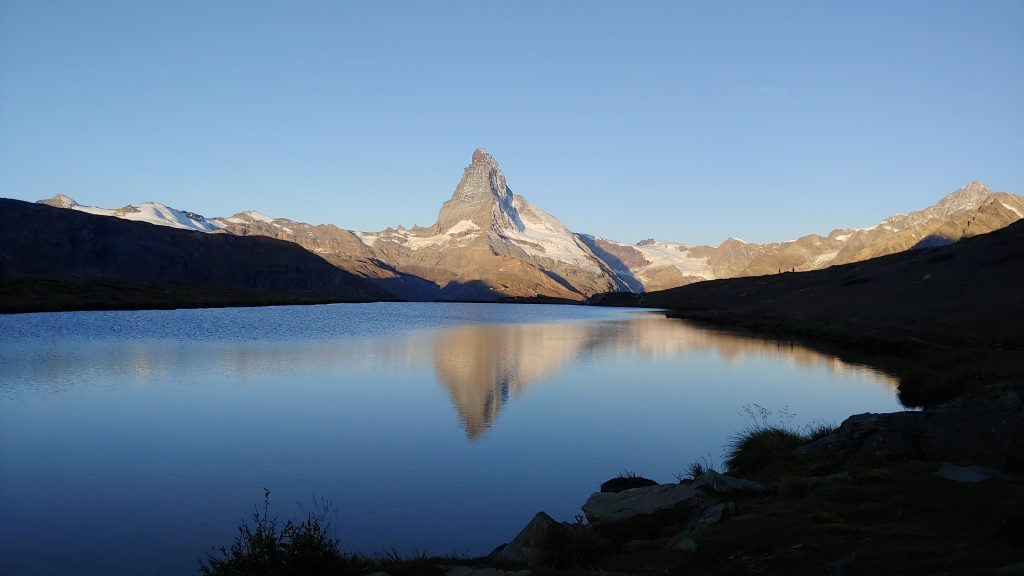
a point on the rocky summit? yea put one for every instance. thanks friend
(489, 243)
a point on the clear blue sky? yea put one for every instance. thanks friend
(681, 121)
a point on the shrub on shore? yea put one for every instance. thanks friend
(267, 548)
(765, 446)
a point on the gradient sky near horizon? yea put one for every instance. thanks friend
(682, 121)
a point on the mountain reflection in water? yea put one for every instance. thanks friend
(484, 366)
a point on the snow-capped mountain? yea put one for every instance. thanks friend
(151, 212)
(973, 209)
(489, 243)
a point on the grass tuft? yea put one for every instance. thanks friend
(268, 548)
(818, 430)
(696, 468)
(758, 449)
(765, 446)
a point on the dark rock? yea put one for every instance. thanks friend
(626, 482)
(616, 506)
(842, 566)
(822, 480)
(479, 571)
(710, 515)
(527, 545)
(968, 474)
(688, 545)
(983, 431)
(713, 482)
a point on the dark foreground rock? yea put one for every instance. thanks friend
(528, 545)
(618, 506)
(625, 483)
(979, 431)
(713, 482)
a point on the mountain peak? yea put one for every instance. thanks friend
(975, 186)
(969, 196)
(482, 181)
(59, 201)
(480, 193)
(480, 156)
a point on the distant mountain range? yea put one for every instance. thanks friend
(54, 259)
(488, 244)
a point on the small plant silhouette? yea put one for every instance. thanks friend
(267, 548)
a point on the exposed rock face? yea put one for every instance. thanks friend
(59, 201)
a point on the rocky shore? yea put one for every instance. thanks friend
(936, 491)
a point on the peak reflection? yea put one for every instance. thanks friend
(485, 366)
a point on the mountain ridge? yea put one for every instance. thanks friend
(488, 243)
(138, 264)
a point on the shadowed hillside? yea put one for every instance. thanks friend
(55, 259)
(966, 293)
(947, 320)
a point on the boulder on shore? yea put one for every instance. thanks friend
(621, 483)
(527, 545)
(983, 431)
(617, 506)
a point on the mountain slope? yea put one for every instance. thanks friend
(968, 211)
(42, 242)
(151, 212)
(338, 246)
(968, 292)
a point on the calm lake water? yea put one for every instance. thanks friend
(132, 442)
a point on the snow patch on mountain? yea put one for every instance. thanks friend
(462, 231)
(825, 258)
(259, 217)
(661, 254)
(1012, 209)
(541, 235)
(155, 213)
(368, 238)
(647, 259)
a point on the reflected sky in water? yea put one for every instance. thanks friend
(140, 439)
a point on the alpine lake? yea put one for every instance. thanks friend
(134, 442)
